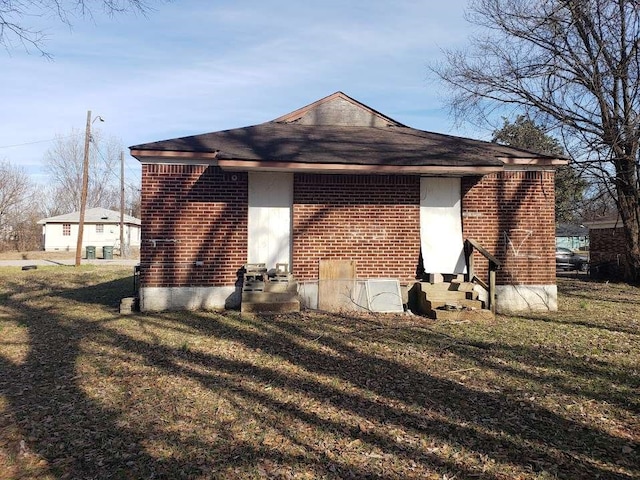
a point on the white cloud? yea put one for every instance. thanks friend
(196, 66)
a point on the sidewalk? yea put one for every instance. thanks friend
(69, 262)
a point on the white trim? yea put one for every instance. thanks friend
(533, 161)
(528, 168)
(176, 161)
(602, 224)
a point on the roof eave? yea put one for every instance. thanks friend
(172, 154)
(345, 168)
(604, 224)
(535, 161)
(212, 158)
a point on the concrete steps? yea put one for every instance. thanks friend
(448, 300)
(292, 306)
(128, 305)
(462, 315)
(269, 292)
(451, 304)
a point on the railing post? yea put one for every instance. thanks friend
(468, 251)
(494, 264)
(492, 287)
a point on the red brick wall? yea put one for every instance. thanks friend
(205, 211)
(512, 215)
(374, 220)
(607, 252)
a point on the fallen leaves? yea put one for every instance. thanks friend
(214, 395)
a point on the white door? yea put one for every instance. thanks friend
(270, 201)
(441, 225)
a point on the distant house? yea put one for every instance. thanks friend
(101, 228)
(607, 247)
(574, 237)
(337, 183)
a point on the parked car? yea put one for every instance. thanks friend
(567, 259)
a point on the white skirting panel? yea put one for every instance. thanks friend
(441, 225)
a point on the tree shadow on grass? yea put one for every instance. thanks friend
(573, 374)
(533, 433)
(83, 291)
(583, 323)
(80, 437)
(606, 291)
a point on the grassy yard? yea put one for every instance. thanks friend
(87, 393)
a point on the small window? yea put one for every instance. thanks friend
(66, 229)
(99, 228)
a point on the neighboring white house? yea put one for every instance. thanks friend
(101, 228)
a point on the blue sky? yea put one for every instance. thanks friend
(191, 67)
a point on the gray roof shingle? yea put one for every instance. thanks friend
(340, 144)
(92, 215)
(339, 130)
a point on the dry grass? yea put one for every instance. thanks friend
(36, 255)
(87, 393)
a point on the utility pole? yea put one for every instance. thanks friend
(123, 250)
(85, 186)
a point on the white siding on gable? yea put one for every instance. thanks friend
(441, 225)
(270, 201)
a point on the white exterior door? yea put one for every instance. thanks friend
(441, 225)
(270, 202)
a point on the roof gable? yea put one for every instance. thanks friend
(338, 109)
(338, 134)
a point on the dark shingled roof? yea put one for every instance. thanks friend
(338, 130)
(571, 230)
(342, 144)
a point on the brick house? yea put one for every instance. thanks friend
(607, 248)
(335, 181)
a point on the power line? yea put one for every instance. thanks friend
(38, 141)
(132, 171)
(134, 174)
(110, 168)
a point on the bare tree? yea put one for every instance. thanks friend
(133, 200)
(18, 215)
(16, 15)
(573, 65)
(64, 162)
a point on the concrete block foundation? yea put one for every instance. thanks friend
(157, 299)
(526, 298)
